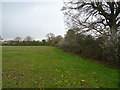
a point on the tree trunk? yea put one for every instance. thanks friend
(113, 43)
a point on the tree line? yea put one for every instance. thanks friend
(86, 46)
(27, 41)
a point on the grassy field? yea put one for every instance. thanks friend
(49, 67)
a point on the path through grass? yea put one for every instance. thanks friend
(49, 67)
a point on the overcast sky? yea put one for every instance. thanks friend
(34, 19)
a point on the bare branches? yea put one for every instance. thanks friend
(93, 13)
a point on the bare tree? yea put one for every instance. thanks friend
(28, 38)
(94, 15)
(18, 39)
(50, 36)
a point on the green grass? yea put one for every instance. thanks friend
(50, 67)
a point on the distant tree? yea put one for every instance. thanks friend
(28, 41)
(28, 38)
(18, 39)
(50, 37)
(43, 42)
(11, 43)
(70, 36)
(35, 43)
(56, 40)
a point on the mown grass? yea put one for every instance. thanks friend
(50, 67)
